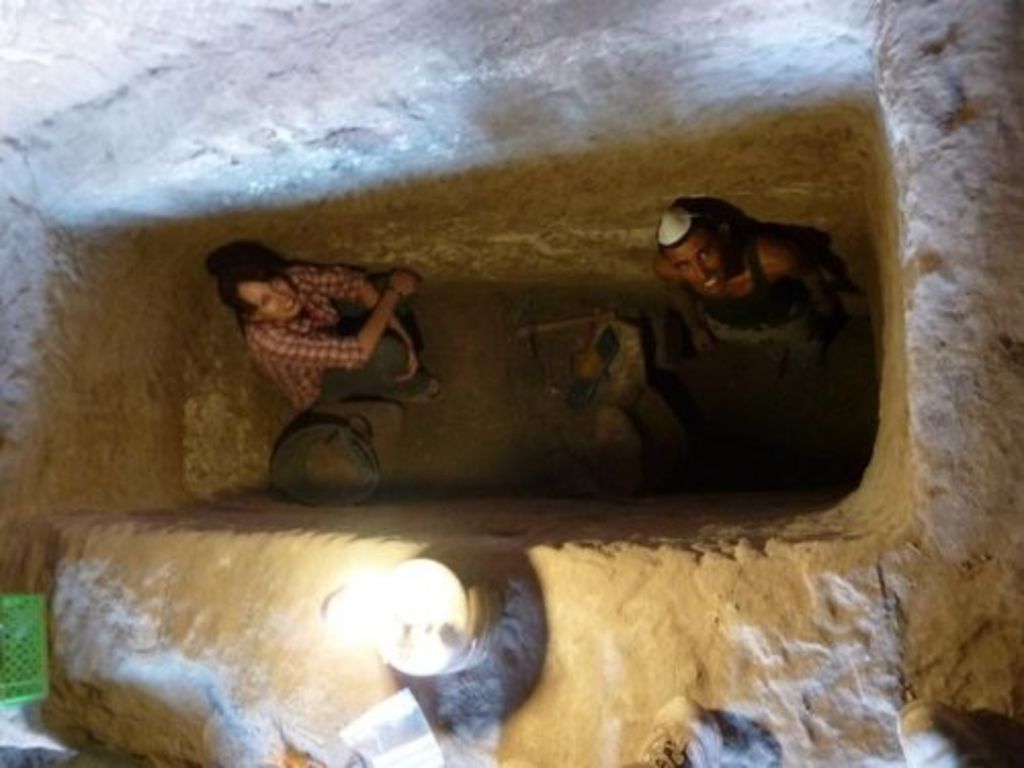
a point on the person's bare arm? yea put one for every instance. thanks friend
(683, 299)
(780, 258)
(369, 296)
(401, 284)
(321, 348)
(686, 303)
(413, 359)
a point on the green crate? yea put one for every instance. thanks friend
(23, 662)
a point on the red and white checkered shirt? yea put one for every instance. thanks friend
(295, 353)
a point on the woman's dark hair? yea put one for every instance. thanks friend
(243, 261)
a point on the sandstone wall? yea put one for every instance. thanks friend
(544, 153)
(816, 628)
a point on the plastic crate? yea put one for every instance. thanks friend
(23, 661)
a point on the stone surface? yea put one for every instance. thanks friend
(478, 159)
(530, 140)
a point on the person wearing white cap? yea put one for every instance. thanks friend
(742, 279)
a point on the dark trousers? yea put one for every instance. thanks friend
(321, 459)
(376, 379)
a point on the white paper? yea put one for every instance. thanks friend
(394, 734)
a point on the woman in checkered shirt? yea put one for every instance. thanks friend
(293, 316)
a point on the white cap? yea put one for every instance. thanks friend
(674, 226)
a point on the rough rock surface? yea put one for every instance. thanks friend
(515, 140)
